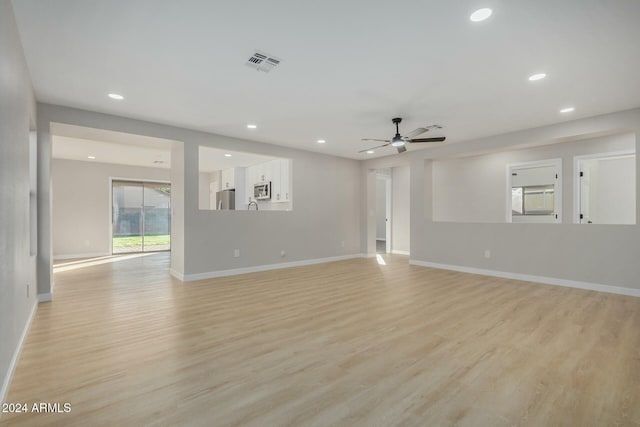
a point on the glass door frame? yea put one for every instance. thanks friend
(142, 182)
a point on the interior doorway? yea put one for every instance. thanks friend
(383, 211)
(140, 216)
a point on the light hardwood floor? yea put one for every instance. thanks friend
(345, 343)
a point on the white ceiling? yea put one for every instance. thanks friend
(347, 67)
(78, 143)
(213, 159)
(108, 152)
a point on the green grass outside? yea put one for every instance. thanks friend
(133, 241)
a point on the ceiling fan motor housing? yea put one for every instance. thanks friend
(397, 140)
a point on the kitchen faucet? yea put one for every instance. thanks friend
(253, 202)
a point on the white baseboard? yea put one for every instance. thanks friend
(86, 255)
(16, 355)
(45, 297)
(531, 278)
(177, 274)
(258, 268)
(400, 252)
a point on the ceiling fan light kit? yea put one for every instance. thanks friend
(400, 141)
(397, 141)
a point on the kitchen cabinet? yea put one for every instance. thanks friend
(280, 185)
(263, 172)
(228, 179)
(285, 181)
(249, 181)
(278, 172)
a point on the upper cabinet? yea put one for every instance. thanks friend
(258, 182)
(277, 172)
(228, 179)
(280, 185)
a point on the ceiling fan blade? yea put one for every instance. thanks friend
(415, 132)
(373, 148)
(379, 140)
(437, 139)
(401, 149)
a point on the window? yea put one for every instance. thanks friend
(534, 192)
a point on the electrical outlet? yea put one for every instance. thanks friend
(236, 253)
(283, 253)
(487, 253)
(342, 243)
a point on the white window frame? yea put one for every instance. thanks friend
(557, 190)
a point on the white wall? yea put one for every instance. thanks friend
(400, 229)
(82, 204)
(204, 179)
(323, 224)
(469, 189)
(326, 214)
(381, 208)
(612, 190)
(566, 253)
(616, 191)
(474, 189)
(17, 265)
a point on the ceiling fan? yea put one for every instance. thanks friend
(400, 141)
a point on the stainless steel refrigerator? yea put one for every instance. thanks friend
(226, 200)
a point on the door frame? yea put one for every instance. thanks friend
(115, 178)
(577, 166)
(385, 174)
(388, 214)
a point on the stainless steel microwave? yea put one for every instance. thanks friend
(262, 191)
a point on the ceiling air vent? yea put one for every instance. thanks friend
(261, 61)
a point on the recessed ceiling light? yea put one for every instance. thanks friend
(538, 76)
(567, 110)
(481, 14)
(227, 155)
(116, 96)
(321, 141)
(91, 157)
(251, 126)
(370, 152)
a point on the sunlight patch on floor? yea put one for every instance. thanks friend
(90, 262)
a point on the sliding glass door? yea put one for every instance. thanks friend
(141, 216)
